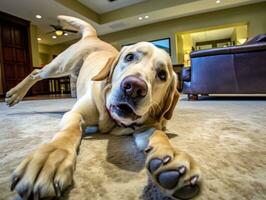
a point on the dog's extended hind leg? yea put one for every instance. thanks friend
(51, 70)
(63, 65)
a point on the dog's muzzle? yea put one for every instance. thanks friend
(132, 90)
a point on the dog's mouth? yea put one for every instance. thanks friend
(124, 110)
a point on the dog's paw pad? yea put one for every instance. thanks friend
(176, 173)
(155, 164)
(169, 179)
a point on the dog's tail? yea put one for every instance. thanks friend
(85, 28)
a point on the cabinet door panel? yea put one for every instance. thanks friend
(8, 55)
(20, 55)
(15, 50)
(6, 33)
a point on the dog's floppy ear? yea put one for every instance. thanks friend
(104, 73)
(108, 68)
(171, 100)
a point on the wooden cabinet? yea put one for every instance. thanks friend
(15, 54)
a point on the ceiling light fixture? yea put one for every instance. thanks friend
(59, 32)
(38, 16)
(54, 37)
(140, 18)
(218, 1)
(39, 39)
(146, 16)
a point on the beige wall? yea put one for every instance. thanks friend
(187, 47)
(46, 52)
(254, 15)
(57, 49)
(241, 34)
(44, 55)
(44, 58)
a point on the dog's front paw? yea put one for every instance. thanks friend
(45, 173)
(174, 171)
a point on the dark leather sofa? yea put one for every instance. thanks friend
(229, 70)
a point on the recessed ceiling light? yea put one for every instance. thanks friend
(54, 37)
(218, 1)
(140, 18)
(39, 39)
(146, 16)
(38, 16)
(65, 34)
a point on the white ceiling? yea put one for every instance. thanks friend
(49, 9)
(212, 35)
(103, 6)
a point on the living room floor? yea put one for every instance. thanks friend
(227, 136)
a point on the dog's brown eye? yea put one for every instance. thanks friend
(129, 57)
(162, 75)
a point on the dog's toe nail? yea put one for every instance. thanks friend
(36, 194)
(148, 149)
(187, 192)
(169, 179)
(193, 181)
(166, 159)
(15, 181)
(155, 164)
(182, 169)
(57, 189)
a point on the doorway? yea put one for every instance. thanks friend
(208, 38)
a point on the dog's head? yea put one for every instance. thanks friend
(143, 84)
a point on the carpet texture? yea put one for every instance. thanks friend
(227, 138)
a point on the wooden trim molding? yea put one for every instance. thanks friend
(14, 19)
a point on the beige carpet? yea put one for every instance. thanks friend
(227, 137)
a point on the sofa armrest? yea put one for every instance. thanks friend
(186, 74)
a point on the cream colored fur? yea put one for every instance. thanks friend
(49, 170)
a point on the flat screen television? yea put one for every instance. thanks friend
(163, 43)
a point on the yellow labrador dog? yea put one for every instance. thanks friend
(131, 92)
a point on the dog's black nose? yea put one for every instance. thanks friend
(134, 87)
